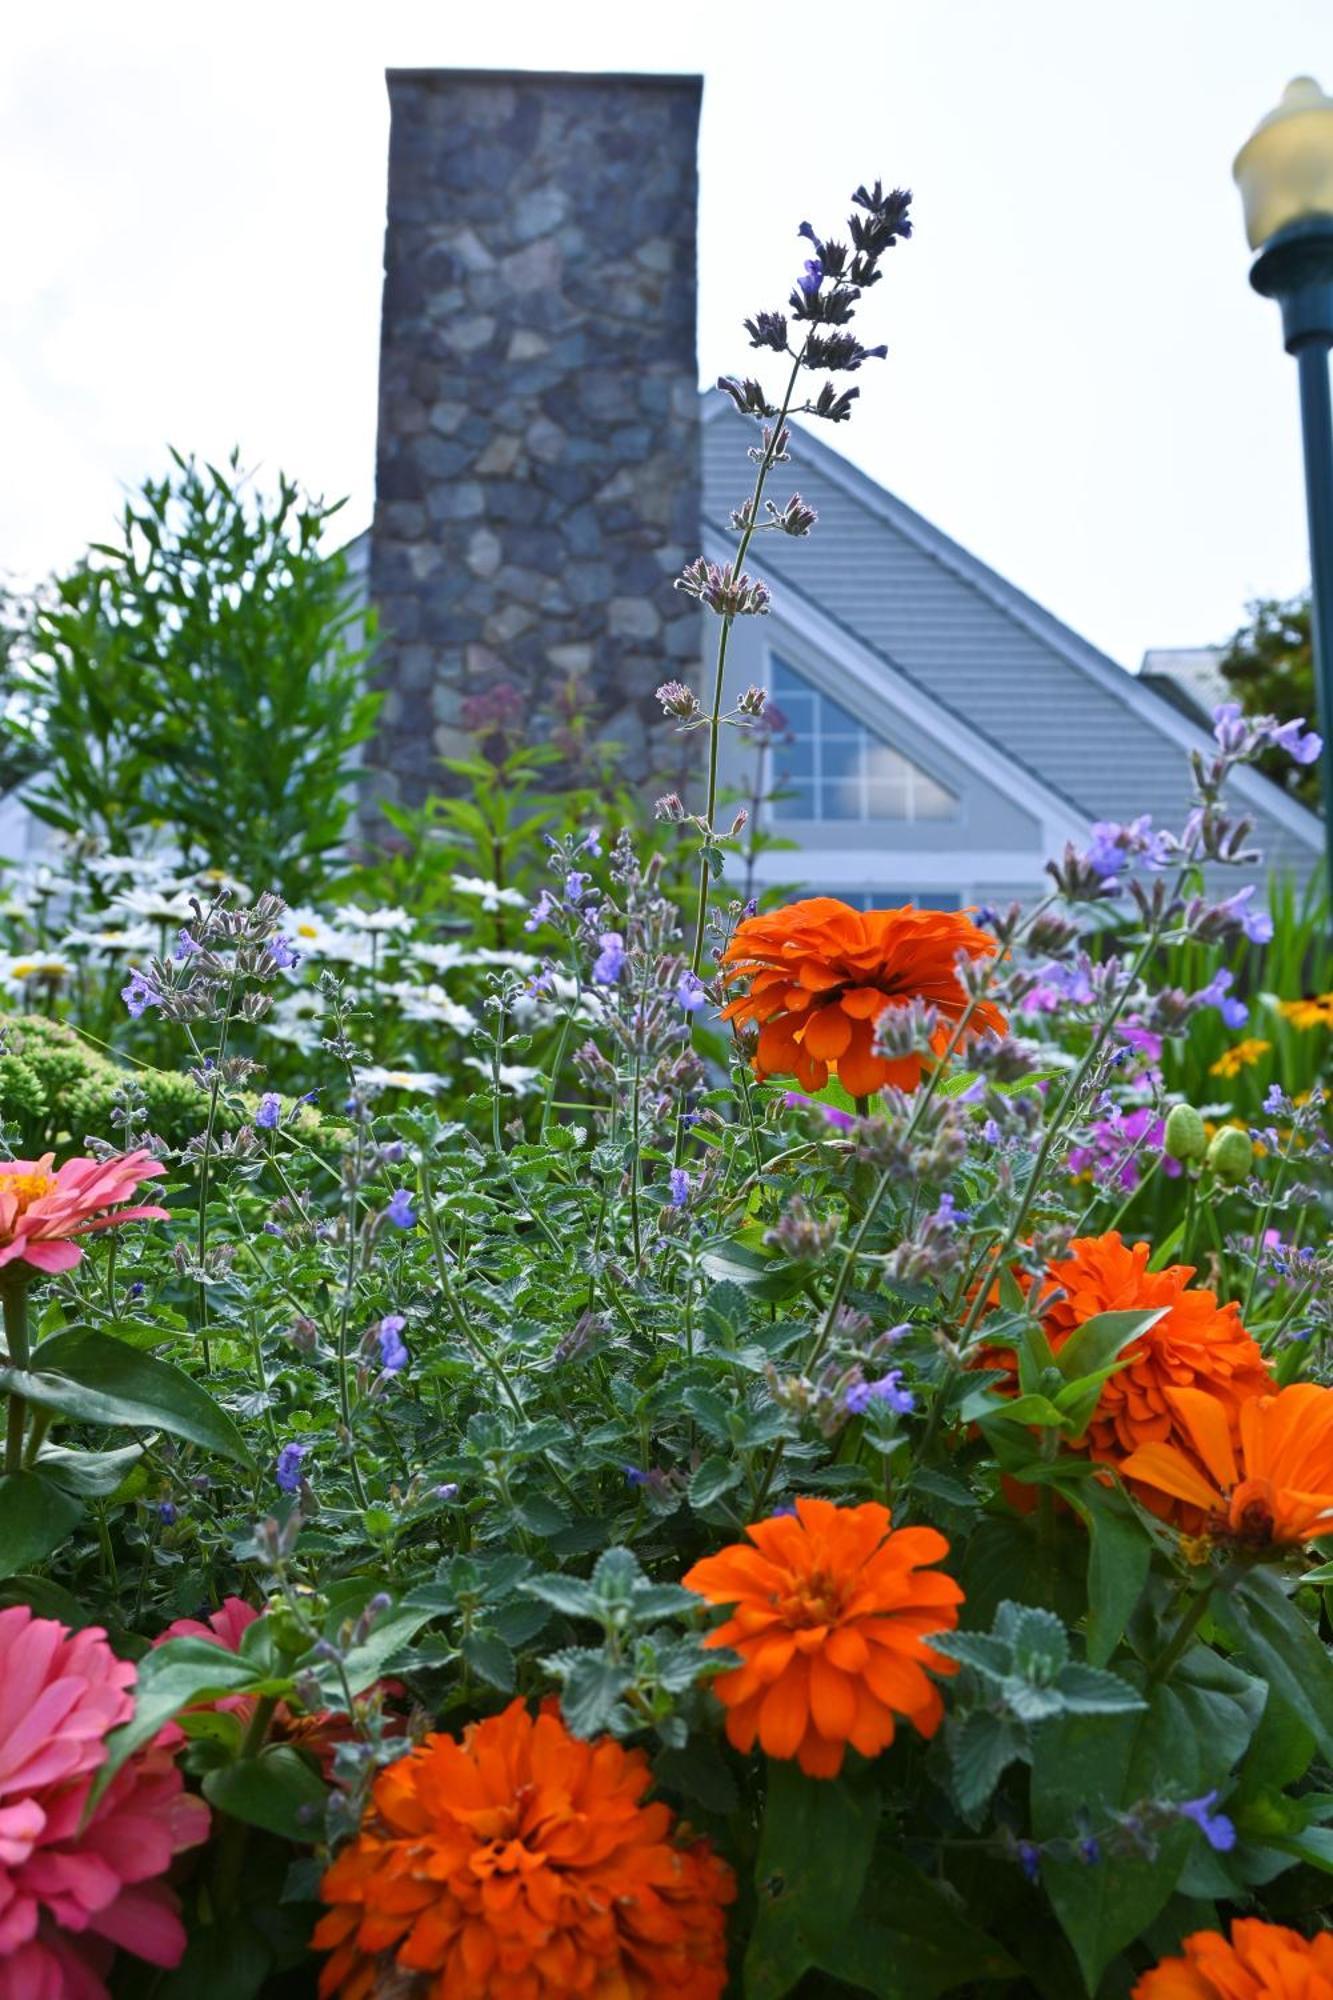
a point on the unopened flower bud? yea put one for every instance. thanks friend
(752, 702)
(1185, 1137)
(1230, 1154)
(678, 700)
(669, 807)
(739, 823)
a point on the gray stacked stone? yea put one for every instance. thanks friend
(538, 479)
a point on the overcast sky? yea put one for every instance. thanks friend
(1081, 386)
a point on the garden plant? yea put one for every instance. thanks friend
(570, 1434)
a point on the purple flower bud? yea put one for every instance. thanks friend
(887, 1391)
(690, 992)
(186, 946)
(541, 912)
(611, 959)
(1029, 1859)
(679, 1182)
(448, 1490)
(166, 1512)
(287, 1471)
(1216, 1828)
(635, 1477)
(268, 1115)
(283, 953)
(394, 1356)
(400, 1211)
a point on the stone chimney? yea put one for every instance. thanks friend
(537, 481)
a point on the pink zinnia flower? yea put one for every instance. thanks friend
(41, 1212)
(75, 1885)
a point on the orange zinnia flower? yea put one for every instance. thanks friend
(1197, 1344)
(1275, 1490)
(1261, 1962)
(42, 1212)
(519, 1864)
(832, 1617)
(821, 974)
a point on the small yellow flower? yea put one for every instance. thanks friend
(1232, 1061)
(1314, 1011)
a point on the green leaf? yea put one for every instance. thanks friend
(1102, 1764)
(1037, 1638)
(981, 1748)
(981, 1651)
(223, 1961)
(698, 1771)
(35, 1518)
(912, 1939)
(277, 1790)
(814, 1850)
(762, 1277)
(94, 1475)
(570, 1594)
(490, 1660)
(712, 1479)
(1092, 1691)
(1101, 1340)
(102, 1381)
(616, 1575)
(591, 1688)
(1119, 1556)
(173, 1676)
(1283, 1647)
(725, 1316)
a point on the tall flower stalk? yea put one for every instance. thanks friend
(813, 335)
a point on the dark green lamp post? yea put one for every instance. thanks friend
(1285, 175)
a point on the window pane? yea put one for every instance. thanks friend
(840, 769)
(797, 759)
(931, 801)
(835, 721)
(887, 799)
(796, 801)
(844, 771)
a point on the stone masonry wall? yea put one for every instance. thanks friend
(537, 481)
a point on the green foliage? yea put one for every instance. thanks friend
(1269, 667)
(55, 1088)
(203, 673)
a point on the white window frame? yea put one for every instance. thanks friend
(778, 812)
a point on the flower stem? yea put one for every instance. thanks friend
(766, 464)
(14, 1297)
(1180, 1638)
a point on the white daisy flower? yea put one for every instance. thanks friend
(164, 906)
(520, 961)
(432, 1004)
(297, 1019)
(375, 1076)
(515, 1077)
(147, 869)
(209, 881)
(442, 957)
(113, 939)
(313, 936)
(39, 963)
(386, 922)
(489, 894)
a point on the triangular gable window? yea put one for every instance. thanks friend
(834, 768)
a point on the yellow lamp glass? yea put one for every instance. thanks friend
(1285, 168)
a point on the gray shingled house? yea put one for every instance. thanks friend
(545, 467)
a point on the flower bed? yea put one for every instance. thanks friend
(647, 1446)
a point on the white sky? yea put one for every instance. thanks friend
(1081, 386)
